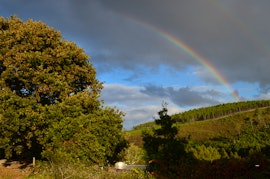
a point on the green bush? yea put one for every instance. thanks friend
(201, 152)
(134, 155)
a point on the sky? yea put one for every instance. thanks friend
(187, 53)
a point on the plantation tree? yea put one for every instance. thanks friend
(49, 98)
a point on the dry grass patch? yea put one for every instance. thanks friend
(14, 170)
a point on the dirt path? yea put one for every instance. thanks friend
(14, 170)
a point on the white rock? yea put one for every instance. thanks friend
(120, 165)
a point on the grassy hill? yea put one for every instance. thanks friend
(215, 122)
(224, 141)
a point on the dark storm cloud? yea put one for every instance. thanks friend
(231, 35)
(107, 35)
(185, 96)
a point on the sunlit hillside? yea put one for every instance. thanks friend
(215, 122)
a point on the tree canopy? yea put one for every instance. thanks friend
(49, 97)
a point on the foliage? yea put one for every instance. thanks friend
(94, 137)
(134, 155)
(205, 153)
(76, 170)
(162, 146)
(232, 168)
(49, 98)
(144, 126)
(243, 156)
(227, 147)
(134, 138)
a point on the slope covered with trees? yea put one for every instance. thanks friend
(236, 146)
(49, 104)
(219, 110)
(211, 112)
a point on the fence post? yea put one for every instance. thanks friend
(34, 161)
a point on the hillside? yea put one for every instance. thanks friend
(224, 141)
(220, 110)
(215, 122)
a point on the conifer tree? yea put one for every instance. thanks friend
(162, 145)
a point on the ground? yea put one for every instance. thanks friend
(14, 170)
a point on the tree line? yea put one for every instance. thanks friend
(219, 110)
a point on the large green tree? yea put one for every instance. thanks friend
(49, 97)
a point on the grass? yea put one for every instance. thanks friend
(64, 170)
(11, 174)
(204, 130)
(68, 170)
(14, 172)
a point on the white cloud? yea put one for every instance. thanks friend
(265, 96)
(138, 106)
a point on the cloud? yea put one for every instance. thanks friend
(185, 96)
(264, 96)
(117, 94)
(138, 106)
(233, 36)
(143, 114)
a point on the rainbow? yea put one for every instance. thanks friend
(211, 69)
